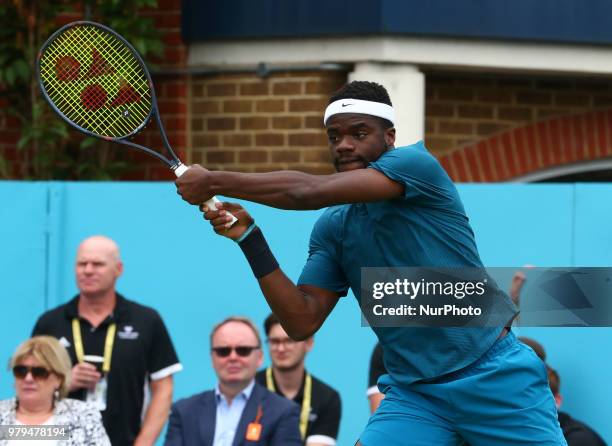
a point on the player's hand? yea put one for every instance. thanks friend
(84, 376)
(221, 220)
(194, 185)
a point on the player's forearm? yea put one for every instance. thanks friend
(283, 189)
(300, 314)
(286, 300)
(301, 310)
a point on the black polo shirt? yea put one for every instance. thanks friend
(325, 409)
(142, 351)
(577, 433)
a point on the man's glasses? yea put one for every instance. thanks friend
(277, 342)
(224, 352)
(21, 371)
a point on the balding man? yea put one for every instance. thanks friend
(122, 352)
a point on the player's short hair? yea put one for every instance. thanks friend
(553, 380)
(50, 354)
(535, 345)
(365, 91)
(239, 319)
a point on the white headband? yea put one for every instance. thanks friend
(359, 106)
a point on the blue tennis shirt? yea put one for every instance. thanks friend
(428, 227)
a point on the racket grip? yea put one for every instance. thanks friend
(180, 169)
(212, 203)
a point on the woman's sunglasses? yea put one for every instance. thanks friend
(224, 352)
(21, 371)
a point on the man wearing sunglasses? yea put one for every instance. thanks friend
(238, 411)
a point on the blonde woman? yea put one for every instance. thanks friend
(41, 368)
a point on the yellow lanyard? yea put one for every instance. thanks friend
(305, 400)
(108, 343)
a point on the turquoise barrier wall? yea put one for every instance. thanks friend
(176, 264)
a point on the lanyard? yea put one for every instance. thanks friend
(259, 414)
(108, 343)
(305, 400)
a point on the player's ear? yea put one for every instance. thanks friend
(390, 136)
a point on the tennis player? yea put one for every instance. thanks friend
(390, 207)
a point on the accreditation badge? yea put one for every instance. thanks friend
(253, 432)
(97, 395)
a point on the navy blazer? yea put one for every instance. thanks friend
(192, 420)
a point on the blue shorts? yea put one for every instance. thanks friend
(502, 399)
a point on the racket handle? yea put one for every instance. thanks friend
(180, 169)
(212, 203)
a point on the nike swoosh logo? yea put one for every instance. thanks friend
(344, 105)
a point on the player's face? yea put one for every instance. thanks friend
(286, 354)
(97, 267)
(235, 370)
(356, 140)
(32, 391)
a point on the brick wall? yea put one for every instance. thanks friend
(240, 122)
(535, 147)
(246, 123)
(462, 109)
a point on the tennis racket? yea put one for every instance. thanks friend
(98, 83)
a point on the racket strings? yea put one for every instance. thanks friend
(93, 96)
(66, 92)
(95, 81)
(87, 95)
(119, 55)
(127, 93)
(62, 94)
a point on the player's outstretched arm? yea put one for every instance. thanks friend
(288, 189)
(301, 310)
